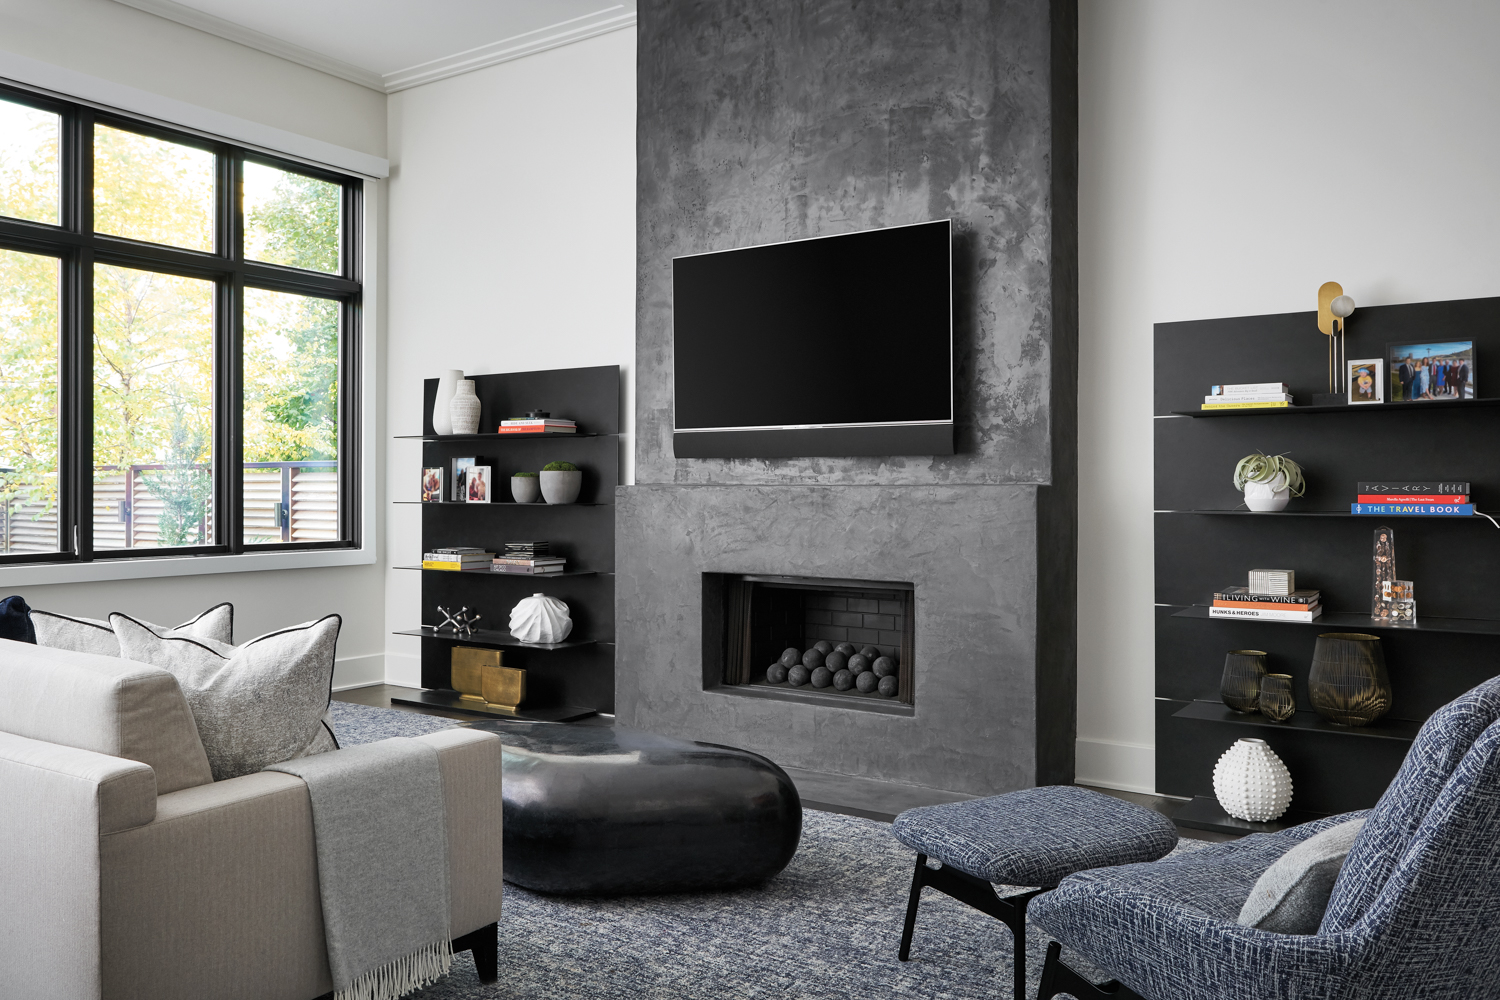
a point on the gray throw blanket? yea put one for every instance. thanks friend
(382, 842)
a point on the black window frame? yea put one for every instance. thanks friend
(78, 248)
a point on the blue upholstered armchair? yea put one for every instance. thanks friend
(1415, 912)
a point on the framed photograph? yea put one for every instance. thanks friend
(1431, 369)
(432, 485)
(1365, 380)
(461, 467)
(478, 484)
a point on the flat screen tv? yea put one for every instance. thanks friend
(836, 345)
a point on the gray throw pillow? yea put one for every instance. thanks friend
(90, 635)
(1291, 895)
(255, 705)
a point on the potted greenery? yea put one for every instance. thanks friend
(561, 482)
(1268, 481)
(524, 487)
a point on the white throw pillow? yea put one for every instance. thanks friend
(1291, 895)
(255, 705)
(90, 635)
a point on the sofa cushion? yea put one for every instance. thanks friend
(1291, 895)
(104, 704)
(90, 635)
(257, 704)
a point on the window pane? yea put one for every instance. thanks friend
(28, 402)
(30, 179)
(291, 219)
(153, 409)
(291, 419)
(152, 190)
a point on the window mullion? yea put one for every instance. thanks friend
(77, 411)
(228, 363)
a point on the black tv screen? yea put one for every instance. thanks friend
(836, 345)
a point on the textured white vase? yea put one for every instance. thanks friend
(540, 618)
(463, 408)
(1251, 782)
(442, 421)
(1267, 497)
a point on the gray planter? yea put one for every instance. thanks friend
(525, 489)
(561, 487)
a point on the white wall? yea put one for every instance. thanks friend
(127, 46)
(1233, 158)
(511, 248)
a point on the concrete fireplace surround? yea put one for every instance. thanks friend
(767, 120)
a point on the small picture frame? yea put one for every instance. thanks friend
(478, 484)
(461, 467)
(1429, 370)
(432, 485)
(1364, 380)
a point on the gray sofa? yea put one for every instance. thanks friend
(127, 872)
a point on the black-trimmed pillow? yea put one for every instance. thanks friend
(90, 635)
(255, 705)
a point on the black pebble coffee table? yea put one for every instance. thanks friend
(600, 810)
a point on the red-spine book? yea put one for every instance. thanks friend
(1408, 498)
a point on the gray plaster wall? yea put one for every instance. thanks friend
(970, 551)
(767, 120)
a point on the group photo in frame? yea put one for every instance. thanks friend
(477, 482)
(1364, 380)
(460, 477)
(1430, 370)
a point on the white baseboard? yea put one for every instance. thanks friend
(358, 671)
(1126, 767)
(404, 669)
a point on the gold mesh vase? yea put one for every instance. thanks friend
(1348, 685)
(1239, 687)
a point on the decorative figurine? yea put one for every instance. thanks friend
(1382, 606)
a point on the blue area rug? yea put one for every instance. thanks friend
(826, 927)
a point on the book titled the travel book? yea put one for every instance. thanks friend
(1241, 602)
(1407, 508)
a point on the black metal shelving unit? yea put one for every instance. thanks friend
(1206, 540)
(566, 679)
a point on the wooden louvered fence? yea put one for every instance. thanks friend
(284, 502)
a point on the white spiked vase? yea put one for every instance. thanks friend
(540, 618)
(1251, 782)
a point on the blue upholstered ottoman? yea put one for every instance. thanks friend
(1035, 837)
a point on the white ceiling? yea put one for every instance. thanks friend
(390, 45)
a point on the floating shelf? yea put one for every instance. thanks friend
(450, 700)
(1435, 404)
(1384, 729)
(1203, 813)
(507, 504)
(1328, 513)
(491, 637)
(498, 437)
(509, 576)
(1354, 621)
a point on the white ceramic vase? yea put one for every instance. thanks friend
(442, 420)
(561, 487)
(1267, 497)
(1251, 782)
(540, 618)
(463, 408)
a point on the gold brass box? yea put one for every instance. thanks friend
(477, 676)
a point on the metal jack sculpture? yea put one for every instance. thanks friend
(461, 621)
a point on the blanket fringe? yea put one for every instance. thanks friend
(395, 979)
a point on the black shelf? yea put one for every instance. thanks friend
(1380, 729)
(508, 576)
(491, 436)
(1330, 513)
(1353, 621)
(490, 637)
(1432, 404)
(451, 701)
(510, 504)
(1203, 813)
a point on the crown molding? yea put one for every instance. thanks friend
(527, 43)
(516, 47)
(250, 38)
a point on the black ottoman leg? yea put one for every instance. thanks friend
(485, 946)
(911, 908)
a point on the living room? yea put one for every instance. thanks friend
(1127, 185)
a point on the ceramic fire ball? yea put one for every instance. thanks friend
(540, 618)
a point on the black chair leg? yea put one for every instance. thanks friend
(911, 909)
(485, 946)
(1058, 978)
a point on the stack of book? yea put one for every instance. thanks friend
(1395, 497)
(537, 425)
(459, 557)
(1248, 396)
(528, 558)
(1241, 602)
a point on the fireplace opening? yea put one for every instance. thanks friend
(844, 642)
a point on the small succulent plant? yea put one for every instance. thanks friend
(1260, 468)
(559, 467)
(524, 475)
